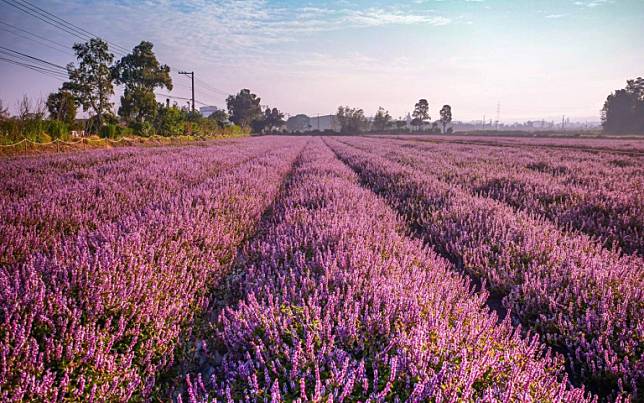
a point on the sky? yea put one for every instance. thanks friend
(532, 59)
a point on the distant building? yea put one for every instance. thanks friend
(304, 123)
(298, 123)
(208, 110)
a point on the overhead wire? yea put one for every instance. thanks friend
(59, 23)
(83, 34)
(42, 70)
(70, 24)
(26, 56)
(20, 32)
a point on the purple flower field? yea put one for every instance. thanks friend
(325, 269)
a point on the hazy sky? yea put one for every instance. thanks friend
(539, 59)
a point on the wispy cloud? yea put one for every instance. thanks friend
(379, 16)
(555, 16)
(593, 3)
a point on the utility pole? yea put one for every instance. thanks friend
(192, 75)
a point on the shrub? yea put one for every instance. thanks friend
(144, 129)
(58, 129)
(109, 131)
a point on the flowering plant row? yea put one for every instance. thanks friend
(96, 317)
(582, 299)
(336, 304)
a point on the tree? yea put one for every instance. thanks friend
(4, 111)
(623, 111)
(400, 124)
(169, 120)
(62, 106)
(382, 119)
(244, 108)
(24, 108)
(421, 113)
(273, 118)
(352, 120)
(141, 73)
(446, 116)
(220, 117)
(91, 83)
(258, 125)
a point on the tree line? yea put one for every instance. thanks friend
(623, 111)
(353, 120)
(90, 86)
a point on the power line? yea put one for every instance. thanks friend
(23, 55)
(181, 98)
(65, 27)
(212, 88)
(13, 27)
(45, 20)
(192, 75)
(70, 24)
(42, 70)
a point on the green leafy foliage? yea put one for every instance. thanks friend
(91, 82)
(141, 73)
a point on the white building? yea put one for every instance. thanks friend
(208, 110)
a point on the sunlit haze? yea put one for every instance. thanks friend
(534, 59)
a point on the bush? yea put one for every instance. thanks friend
(10, 131)
(42, 137)
(33, 128)
(58, 129)
(109, 131)
(144, 129)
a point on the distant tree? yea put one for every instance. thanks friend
(352, 120)
(62, 106)
(400, 124)
(244, 108)
(421, 113)
(446, 116)
(258, 124)
(141, 73)
(623, 111)
(4, 111)
(169, 120)
(381, 120)
(220, 117)
(91, 82)
(24, 107)
(273, 118)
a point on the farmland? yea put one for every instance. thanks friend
(344, 268)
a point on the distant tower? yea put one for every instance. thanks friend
(498, 114)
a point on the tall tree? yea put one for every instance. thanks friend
(91, 82)
(623, 111)
(382, 119)
(352, 120)
(244, 108)
(4, 111)
(62, 106)
(421, 113)
(273, 118)
(446, 116)
(220, 117)
(141, 73)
